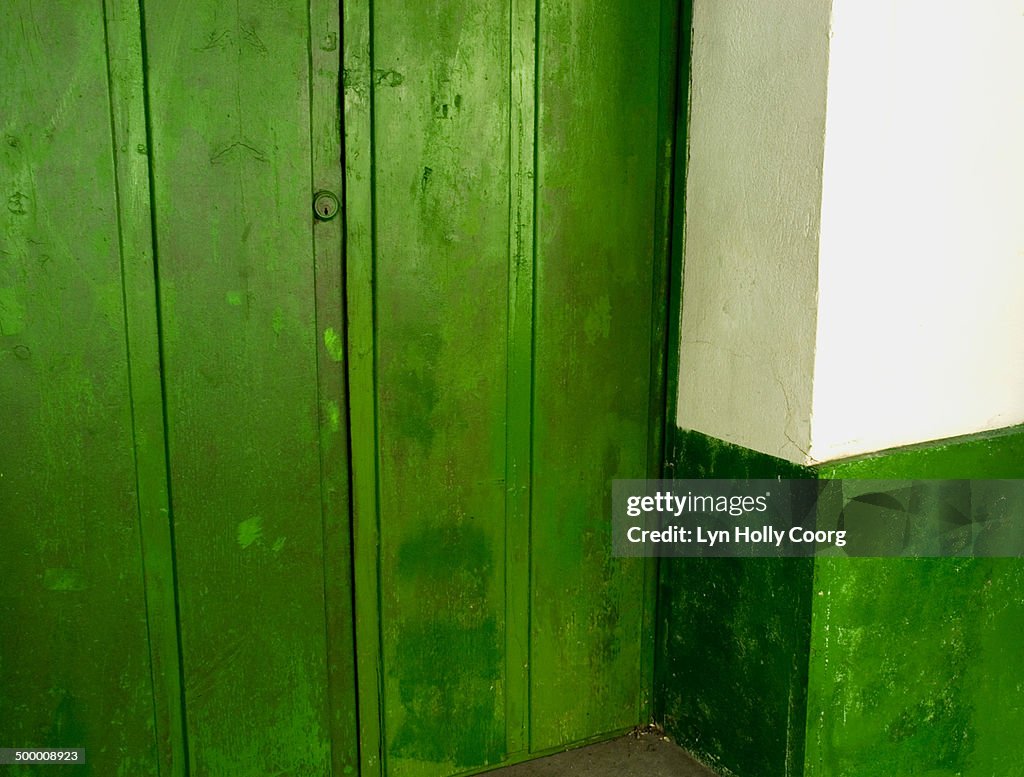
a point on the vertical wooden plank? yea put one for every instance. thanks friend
(597, 162)
(522, 147)
(325, 144)
(359, 277)
(243, 297)
(441, 156)
(76, 665)
(130, 142)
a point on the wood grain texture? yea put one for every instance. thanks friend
(597, 161)
(440, 80)
(326, 159)
(75, 659)
(131, 155)
(519, 398)
(357, 71)
(251, 314)
(473, 405)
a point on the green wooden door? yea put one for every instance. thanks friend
(245, 129)
(179, 332)
(502, 165)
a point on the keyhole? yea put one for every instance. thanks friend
(325, 205)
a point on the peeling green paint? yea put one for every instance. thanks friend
(333, 415)
(250, 530)
(334, 345)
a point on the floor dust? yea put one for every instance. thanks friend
(643, 755)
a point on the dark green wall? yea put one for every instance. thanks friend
(890, 666)
(733, 636)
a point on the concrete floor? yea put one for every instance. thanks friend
(643, 755)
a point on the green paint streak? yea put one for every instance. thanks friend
(438, 564)
(334, 345)
(333, 415)
(598, 321)
(233, 298)
(249, 531)
(64, 580)
(278, 322)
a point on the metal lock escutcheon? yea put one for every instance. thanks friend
(325, 205)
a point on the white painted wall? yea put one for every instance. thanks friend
(921, 270)
(905, 321)
(757, 119)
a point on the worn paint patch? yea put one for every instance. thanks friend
(333, 413)
(894, 640)
(60, 579)
(333, 344)
(452, 708)
(12, 313)
(250, 530)
(389, 78)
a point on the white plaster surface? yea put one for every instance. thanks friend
(904, 322)
(757, 118)
(920, 324)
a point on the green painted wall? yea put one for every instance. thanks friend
(916, 664)
(903, 666)
(733, 636)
